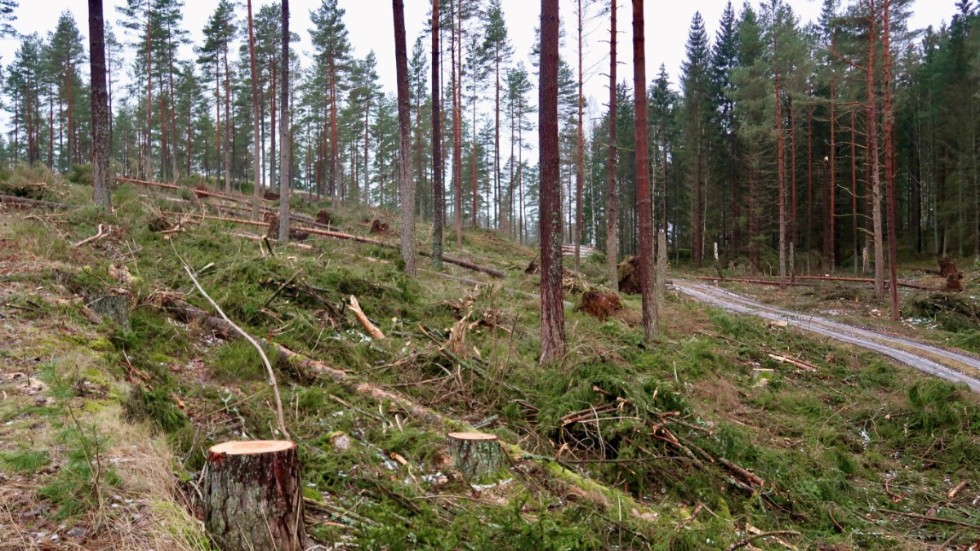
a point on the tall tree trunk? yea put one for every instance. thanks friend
(100, 106)
(256, 138)
(405, 185)
(612, 203)
(644, 205)
(496, 143)
(792, 191)
(273, 128)
(284, 137)
(580, 148)
(832, 185)
(809, 179)
(780, 175)
(875, 164)
(855, 230)
(549, 218)
(334, 154)
(438, 199)
(456, 77)
(228, 143)
(890, 167)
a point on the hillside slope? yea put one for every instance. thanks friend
(700, 441)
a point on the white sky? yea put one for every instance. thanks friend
(370, 26)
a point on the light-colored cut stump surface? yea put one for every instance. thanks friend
(253, 499)
(477, 456)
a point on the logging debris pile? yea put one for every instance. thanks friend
(622, 444)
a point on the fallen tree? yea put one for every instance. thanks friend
(25, 203)
(560, 477)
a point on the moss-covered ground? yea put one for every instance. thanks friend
(704, 439)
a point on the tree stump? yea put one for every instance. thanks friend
(477, 456)
(253, 498)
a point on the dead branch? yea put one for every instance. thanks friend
(268, 366)
(564, 479)
(957, 489)
(24, 202)
(934, 519)
(794, 362)
(103, 231)
(365, 322)
(742, 543)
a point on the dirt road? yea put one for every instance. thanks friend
(953, 366)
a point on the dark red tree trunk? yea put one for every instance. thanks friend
(892, 219)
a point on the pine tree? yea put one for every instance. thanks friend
(696, 84)
(7, 17)
(329, 36)
(213, 56)
(405, 187)
(100, 106)
(438, 192)
(496, 47)
(643, 204)
(549, 206)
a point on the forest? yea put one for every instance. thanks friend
(253, 299)
(770, 107)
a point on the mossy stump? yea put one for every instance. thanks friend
(253, 498)
(477, 456)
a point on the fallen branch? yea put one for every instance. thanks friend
(268, 366)
(358, 239)
(102, 233)
(568, 481)
(742, 543)
(477, 283)
(934, 519)
(794, 362)
(24, 202)
(957, 489)
(365, 322)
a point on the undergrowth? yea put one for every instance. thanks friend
(703, 428)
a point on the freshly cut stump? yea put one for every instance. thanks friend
(477, 456)
(253, 499)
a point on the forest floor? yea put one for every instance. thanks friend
(729, 432)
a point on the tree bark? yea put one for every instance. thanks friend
(612, 199)
(256, 139)
(253, 496)
(549, 219)
(580, 149)
(100, 108)
(890, 168)
(438, 192)
(650, 323)
(478, 456)
(780, 172)
(873, 151)
(405, 185)
(284, 139)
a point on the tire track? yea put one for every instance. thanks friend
(952, 366)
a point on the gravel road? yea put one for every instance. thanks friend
(956, 367)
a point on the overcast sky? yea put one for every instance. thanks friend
(370, 22)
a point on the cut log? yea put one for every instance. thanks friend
(477, 456)
(253, 497)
